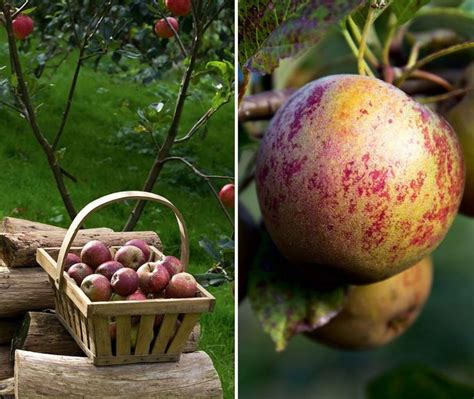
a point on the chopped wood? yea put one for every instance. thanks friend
(42, 375)
(6, 365)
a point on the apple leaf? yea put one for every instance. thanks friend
(416, 382)
(270, 30)
(405, 10)
(286, 303)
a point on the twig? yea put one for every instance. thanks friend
(12, 107)
(68, 175)
(388, 42)
(432, 77)
(207, 178)
(263, 106)
(200, 123)
(24, 97)
(444, 96)
(363, 41)
(216, 14)
(19, 10)
(438, 54)
(175, 33)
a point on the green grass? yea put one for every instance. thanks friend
(102, 164)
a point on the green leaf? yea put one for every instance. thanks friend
(404, 10)
(416, 382)
(457, 20)
(209, 248)
(271, 30)
(286, 303)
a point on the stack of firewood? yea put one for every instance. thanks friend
(46, 356)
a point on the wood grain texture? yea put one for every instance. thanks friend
(43, 333)
(19, 250)
(39, 375)
(8, 328)
(7, 388)
(24, 289)
(15, 226)
(6, 365)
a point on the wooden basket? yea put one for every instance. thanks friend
(88, 322)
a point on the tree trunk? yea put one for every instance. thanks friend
(8, 328)
(22, 290)
(43, 333)
(38, 375)
(19, 250)
(6, 366)
(15, 226)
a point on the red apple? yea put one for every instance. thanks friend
(22, 27)
(143, 246)
(172, 264)
(153, 278)
(178, 8)
(108, 269)
(130, 256)
(95, 253)
(97, 287)
(182, 285)
(136, 296)
(71, 259)
(79, 272)
(227, 195)
(162, 28)
(124, 281)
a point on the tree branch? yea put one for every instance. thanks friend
(24, 98)
(175, 33)
(207, 178)
(263, 105)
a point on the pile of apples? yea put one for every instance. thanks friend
(128, 275)
(179, 8)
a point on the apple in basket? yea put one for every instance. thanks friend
(71, 259)
(94, 253)
(182, 285)
(142, 245)
(97, 287)
(108, 269)
(124, 282)
(153, 278)
(130, 256)
(79, 272)
(172, 264)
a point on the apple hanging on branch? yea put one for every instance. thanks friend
(179, 8)
(22, 26)
(163, 29)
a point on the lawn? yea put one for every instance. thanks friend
(104, 163)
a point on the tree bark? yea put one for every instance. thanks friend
(38, 375)
(43, 333)
(19, 250)
(8, 328)
(24, 289)
(6, 366)
(17, 226)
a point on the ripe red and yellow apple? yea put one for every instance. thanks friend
(109, 268)
(79, 271)
(124, 282)
(71, 259)
(142, 245)
(354, 174)
(172, 264)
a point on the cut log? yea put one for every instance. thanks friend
(17, 226)
(19, 250)
(39, 375)
(42, 332)
(6, 365)
(8, 328)
(7, 388)
(24, 289)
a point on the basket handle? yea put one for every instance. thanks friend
(109, 199)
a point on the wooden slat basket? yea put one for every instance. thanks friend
(89, 322)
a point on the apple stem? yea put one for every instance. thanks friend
(429, 58)
(363, 41)
(354, 49)
(445, 96)
(358, 36)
